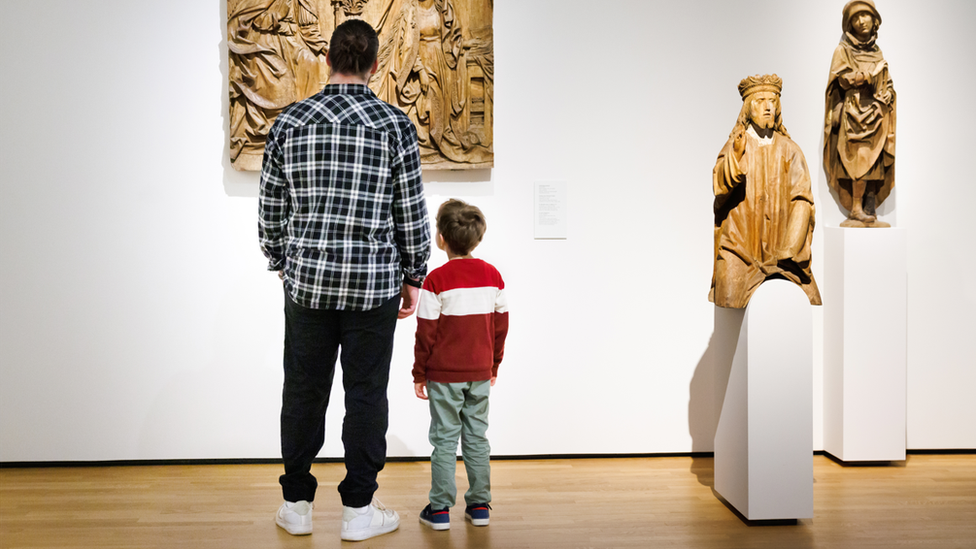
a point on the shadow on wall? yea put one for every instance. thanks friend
(707, 389)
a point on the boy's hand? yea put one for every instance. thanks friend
(493, 378)
(420, 389)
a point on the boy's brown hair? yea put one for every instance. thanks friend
(461, 225)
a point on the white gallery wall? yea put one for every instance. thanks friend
(137, 320)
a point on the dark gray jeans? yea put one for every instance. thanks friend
(313, 340)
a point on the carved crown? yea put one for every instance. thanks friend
(766, 82)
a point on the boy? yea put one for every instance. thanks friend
(462, 321)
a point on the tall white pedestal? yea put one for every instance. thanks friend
(865, 363)
(764, 439)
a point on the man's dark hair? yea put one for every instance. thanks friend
(353, 47)
(461, 225)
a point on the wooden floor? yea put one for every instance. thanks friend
(929, 501)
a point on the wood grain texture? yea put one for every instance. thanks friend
(930, 501)
(436, 63)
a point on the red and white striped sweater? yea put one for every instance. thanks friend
(462, 321)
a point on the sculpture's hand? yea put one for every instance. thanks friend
(739, 143)
(860, 79)
(846, 80)
(421, 71)
(783, 254)
(886, 97)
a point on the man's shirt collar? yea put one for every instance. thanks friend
(347, 89)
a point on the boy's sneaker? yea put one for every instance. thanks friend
(368, 522)
(438, 520)
(477, 514)
(295, 517)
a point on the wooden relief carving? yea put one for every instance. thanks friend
(436, 63)
(277, 57)
(859, 119)
(764, 213)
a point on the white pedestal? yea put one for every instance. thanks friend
(865, 363)
(764, 439)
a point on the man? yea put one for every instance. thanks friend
(764, 214)
(344, 220)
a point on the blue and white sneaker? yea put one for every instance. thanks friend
(477, 514)
(438, 520)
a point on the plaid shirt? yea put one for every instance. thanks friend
(342, 209)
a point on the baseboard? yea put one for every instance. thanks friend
(395, 459)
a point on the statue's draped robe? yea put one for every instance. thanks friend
(859, 123)
(274, 47)
(763, 206)
(412, 40)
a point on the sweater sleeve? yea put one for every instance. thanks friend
(428, 314)
(501, 327)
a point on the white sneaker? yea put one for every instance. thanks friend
(295, 518)
(368, 522)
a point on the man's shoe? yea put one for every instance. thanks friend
(438, 520)
(371, 521)
(477, 514)
(295, 517)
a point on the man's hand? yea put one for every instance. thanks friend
(409, 296)
(493, 378)
(420, 389)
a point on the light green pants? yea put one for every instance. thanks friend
(459, 410)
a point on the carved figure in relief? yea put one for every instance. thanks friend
(277, 57)
(764, 213)
(423, 69)
(859, 122)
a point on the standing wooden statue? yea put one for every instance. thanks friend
(764, 214)
(859, 123)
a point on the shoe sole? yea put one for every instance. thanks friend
(476, 522)
(360, 535)
(436, 525)
(300, 531)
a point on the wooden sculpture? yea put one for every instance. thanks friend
(859, 122)
(764, 213)
(277, 57)
(441, 75)
(436, 63)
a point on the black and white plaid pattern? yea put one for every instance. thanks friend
(342, 208)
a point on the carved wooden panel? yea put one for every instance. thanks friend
(436, 63)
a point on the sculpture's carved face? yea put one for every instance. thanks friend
(863, 25)
(762, 109)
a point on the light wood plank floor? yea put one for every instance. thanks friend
(930, 501)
